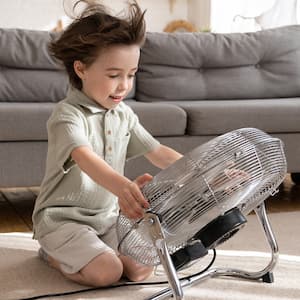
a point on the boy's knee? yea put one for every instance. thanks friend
(103, 271)
(104, 278)
(140, 273)
(135, 271)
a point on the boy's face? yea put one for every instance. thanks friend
(110, 78)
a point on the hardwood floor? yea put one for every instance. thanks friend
(16, 205)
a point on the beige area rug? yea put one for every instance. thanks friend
(24, 275)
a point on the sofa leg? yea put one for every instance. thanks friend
(295, 178)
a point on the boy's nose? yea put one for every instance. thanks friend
(123, 85)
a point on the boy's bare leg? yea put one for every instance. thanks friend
(104, 270)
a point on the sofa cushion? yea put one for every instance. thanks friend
(161, 119)
(26, 49)
(24, 121)
(25, 85)
(27, 121)
(217, 117)
(196, 66)
(29, 85)
(28, 73)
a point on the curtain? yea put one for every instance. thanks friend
(283, 12)
(252, 15)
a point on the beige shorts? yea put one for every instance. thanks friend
(75, 245)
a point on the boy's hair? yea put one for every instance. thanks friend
(94, 30)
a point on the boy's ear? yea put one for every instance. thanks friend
(79, 68)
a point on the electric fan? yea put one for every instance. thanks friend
(201, 200)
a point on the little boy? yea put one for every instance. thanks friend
(90, 134)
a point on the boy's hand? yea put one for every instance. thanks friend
(132, 203)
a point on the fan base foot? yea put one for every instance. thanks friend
(268, 277)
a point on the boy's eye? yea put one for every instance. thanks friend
(117, 75)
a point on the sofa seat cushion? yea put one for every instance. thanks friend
(161, 119)
(24, 121)
(27, 121)
(220, 116)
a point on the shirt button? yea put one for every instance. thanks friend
(109, 148)
(109, 132)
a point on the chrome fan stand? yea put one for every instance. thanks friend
(176, 285)
(158, 239)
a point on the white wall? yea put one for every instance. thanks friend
(30, 14)
(199, 13)
(44, 14)
(218, 15)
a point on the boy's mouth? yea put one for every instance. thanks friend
(116, 99)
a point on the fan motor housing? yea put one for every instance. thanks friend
(221, 229)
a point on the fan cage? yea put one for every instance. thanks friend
(238, 169)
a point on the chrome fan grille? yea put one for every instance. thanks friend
(238, 169)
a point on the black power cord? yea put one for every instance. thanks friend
(122, 284)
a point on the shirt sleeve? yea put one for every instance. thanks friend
(141, 141)
(66, 130)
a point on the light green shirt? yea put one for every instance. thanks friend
(69, 195)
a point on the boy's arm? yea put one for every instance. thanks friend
(131, 199)
(163, 156)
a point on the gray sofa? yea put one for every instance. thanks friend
(190, 87)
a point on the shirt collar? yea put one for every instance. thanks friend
(75, 96)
